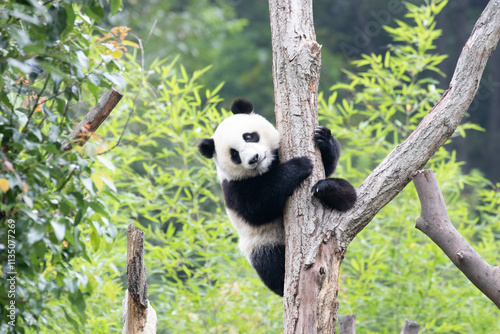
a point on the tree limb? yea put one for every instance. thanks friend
(396, 170)
(435, 223)
(94, 118)
(317, 238)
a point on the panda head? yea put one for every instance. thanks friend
(243, 146)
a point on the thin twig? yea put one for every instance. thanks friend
(36, 103)
(66, 108)
(135, 98)
(151, 32)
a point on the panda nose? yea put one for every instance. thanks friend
(254, 160)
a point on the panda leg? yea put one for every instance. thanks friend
(269, 262)
(335, 193)
(329, 148)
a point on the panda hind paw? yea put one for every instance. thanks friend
(335, 193)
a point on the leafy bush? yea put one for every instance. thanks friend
(199, 282)
(54, 60)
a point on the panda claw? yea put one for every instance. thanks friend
(322, 135)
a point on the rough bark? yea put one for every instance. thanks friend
(347, 324)
(309, 304)
(410, 327)
(138, 315)
(94, 118)
(435, 223)
(317, 238)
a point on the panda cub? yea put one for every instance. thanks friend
(256, 185)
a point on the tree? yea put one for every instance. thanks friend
(54, 60)
(318, 238)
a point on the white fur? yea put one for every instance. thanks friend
(229, 136)
(251, 237)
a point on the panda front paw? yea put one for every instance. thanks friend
(303, 166)
(329, 148)
(323, 137)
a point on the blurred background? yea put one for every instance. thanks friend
(233, 36)
(179, 65)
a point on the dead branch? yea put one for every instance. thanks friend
(410, 327)
(138, 315)
(94, 118)
(347, 324)
(435, 223)
(396, 170)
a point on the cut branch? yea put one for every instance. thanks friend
(410, 327)
(435, 223)
(94, 118)
(347, 324)
(138, 315)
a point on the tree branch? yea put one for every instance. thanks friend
(317, 238)
(396, 170)
(435, 223)
(94, 118)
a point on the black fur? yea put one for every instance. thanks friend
(335, 193)
(235, 156)
(269, 262)
(261, 199)
(252, 137)
(207, 147)
(329, 148)
(241, 106)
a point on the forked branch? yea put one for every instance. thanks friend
(435, 223)
(396, 170)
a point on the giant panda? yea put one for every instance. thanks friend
(256, 185)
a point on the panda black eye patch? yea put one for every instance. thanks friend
(251, 137)
(235, 156)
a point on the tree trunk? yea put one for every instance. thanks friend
(296, 67)
(317, 238)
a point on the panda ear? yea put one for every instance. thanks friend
(207, 147)
(241, 106)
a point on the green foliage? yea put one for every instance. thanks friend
(145, 169)
(203, 33)
(392, 271)
(198, 281)
(54, 59)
